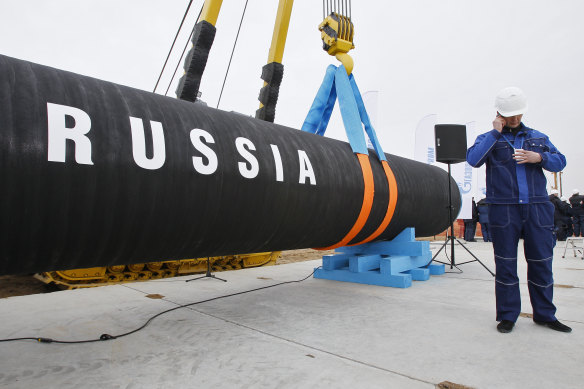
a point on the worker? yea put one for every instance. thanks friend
(470, 225)
(568, 217)
(519, 207)
(576, 201)
(483, 211)
(561, 209)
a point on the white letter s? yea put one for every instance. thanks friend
(200, 167)
(253, 171)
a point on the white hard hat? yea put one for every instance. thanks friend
(563, 198)
(510, 102)
(554, 191)
(575, 191)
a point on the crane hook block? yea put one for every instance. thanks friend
(337, 32)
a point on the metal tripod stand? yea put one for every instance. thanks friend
(451, 238)
(208, 274)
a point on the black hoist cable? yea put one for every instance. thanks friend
(172, 46)
(232, 51)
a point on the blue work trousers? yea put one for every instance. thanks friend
(486, 232)
(578, 225)
(534, 223)
(469, 230)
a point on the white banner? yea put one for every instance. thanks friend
(425, 147)
(479, 189)
(470, 181)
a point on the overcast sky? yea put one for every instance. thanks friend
(447, 57)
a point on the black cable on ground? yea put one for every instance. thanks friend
(172, 46)
(104, 337)
(232, 51)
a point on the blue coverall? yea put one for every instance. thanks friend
(519, 207)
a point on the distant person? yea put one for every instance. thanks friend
(483, 211)
(561, 209)
(568, 218)
(519, 207)
(576, 201)
(470, 225)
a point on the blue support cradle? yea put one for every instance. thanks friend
(389, 263)
(392, 263)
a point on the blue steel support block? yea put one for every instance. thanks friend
(436, 270)
(420, 274)
(403, 244)
(369, 278)
(363, 263)
(407, 235)
(392, 263)
(333, 262)
(399, 263)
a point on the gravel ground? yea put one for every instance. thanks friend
(22, 285)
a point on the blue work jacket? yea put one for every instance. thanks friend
(507, 181)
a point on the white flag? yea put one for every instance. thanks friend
(425, 148)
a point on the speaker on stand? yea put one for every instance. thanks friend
(450, 143)
(451, 148)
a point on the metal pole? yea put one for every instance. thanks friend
(450, 218)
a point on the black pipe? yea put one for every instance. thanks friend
(78, 191)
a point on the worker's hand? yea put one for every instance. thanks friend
(499, 123)
(526, 156)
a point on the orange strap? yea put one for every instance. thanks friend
(365, 207)
(392, 184)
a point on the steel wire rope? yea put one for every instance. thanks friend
(232, 51)
(342, 7)
(172, 46)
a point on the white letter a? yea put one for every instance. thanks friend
(306, 170)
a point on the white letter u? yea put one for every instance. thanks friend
(139, 144)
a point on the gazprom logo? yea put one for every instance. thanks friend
(431, 155)
(466, 186)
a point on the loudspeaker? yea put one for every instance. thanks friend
(450, 143)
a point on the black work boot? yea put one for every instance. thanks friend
(505, 326)
(554, 325)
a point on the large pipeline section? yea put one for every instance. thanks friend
(96, 174)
